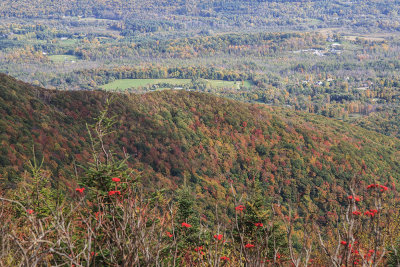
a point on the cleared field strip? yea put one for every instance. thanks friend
(123, 84)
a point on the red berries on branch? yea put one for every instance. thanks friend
(240, 208)
(186, 225)
(80, 190)
(371, 212)
(259, 224)
(111, 193)
(357, 199)
(116, 179)
(199, 249)
(218, 237)
(249, 246)
(382, 187)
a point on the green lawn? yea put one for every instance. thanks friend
(230, 84)
(123, 84)
(63, 58)
(68, 41)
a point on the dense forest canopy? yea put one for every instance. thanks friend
(173, 136)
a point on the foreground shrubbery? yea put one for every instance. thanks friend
(105, 218)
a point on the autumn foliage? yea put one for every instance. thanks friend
(261, 214)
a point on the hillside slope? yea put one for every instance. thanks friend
(208, 141)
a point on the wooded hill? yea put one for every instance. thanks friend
(204, 140)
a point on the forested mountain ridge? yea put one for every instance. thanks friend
(208, 141)
(216, 14)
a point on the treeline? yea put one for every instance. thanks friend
(131, 27)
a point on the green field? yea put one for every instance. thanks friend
(222, 84)
(123, 84)
(63, 58)
(68, 42)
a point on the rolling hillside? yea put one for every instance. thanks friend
(173, 136)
